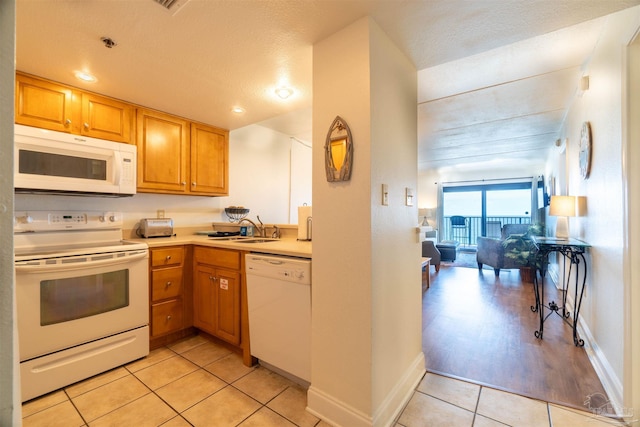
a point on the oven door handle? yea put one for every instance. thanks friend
(81, 264)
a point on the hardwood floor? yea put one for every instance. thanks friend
(481, 328)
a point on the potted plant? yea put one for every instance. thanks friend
(521, 249)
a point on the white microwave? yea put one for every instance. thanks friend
(56, 162)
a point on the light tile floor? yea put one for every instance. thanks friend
(198, 383)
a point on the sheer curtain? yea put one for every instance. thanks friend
(440, 211)
(534, 198)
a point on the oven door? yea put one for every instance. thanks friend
(74, 300)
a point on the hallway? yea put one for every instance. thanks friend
(480, 328)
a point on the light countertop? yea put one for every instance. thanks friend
(284, 246)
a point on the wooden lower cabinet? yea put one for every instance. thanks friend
(195, 288)
(216, 293)
(168, 291)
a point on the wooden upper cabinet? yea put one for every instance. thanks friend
(209, 160)
(107, 118)
(44, 104)
(175, 155)
(163, 150)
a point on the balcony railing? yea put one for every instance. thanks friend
(469, 235)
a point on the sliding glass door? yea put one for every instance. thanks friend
(461, 211)
(484, 209)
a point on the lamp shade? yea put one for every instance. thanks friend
(562, 206)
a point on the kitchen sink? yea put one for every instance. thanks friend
(230, 238)
(256, 240)
(244, 239)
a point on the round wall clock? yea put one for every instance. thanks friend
(585, 150)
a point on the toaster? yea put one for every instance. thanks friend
(156, 227)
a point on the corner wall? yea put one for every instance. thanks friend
(366, 294)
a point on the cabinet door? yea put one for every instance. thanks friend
(163, 152)
(209, 160)
(107, 118)
(227, 310)
(44, 104)
(204, 298)
(216, 302)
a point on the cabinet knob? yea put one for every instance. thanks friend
(212, 278)
(193, 184)
(67, 122)
(169, 317)
(168, 284)
(86, 125)
(168, 257)
(183, 183)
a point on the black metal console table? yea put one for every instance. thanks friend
(573, 250)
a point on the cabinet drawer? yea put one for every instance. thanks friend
(166, 283)
(166, 317)
(167, 256)
(218, 257)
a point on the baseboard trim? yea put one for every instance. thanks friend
(338, 413)
(601, 365)
(599, 361)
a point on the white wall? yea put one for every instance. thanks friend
(397, 291)
(301, 181)
(366, 313)
(602, 227)
(259, 177)
(259, 167)
(631, 158)
(10, 413)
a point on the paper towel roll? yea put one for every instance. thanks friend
(304, 223)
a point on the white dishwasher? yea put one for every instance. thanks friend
(279, 302)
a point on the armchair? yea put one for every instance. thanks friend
(429, 250)
(491, 252)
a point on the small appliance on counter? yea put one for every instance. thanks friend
(155, 227)
(304, 223)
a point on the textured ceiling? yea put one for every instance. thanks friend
(481, 63)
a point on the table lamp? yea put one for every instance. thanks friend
(563, 207)
(427, 214)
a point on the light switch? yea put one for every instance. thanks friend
(385, 195)
(409, 196)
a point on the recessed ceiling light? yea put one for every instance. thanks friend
(284, 92)
(238, 110)
(85, 77)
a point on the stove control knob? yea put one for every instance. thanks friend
(112, 218)
(28, 219)
(101, 218)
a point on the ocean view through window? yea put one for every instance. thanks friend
(486, 208)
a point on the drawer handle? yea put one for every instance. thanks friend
(168, 257)
(167, 285)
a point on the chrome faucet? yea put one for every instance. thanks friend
(261, 228)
